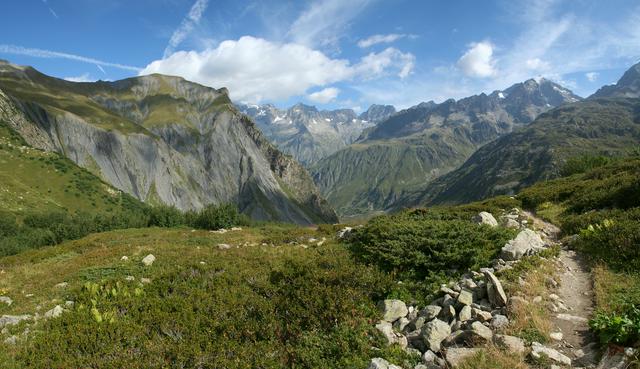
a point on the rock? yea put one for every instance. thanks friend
(148, 260)
(417, 323)
(465, 314)
(392, 337)
(511, 223)
(510, 343)
(428, 357)
(236, 228)
(430, 312)
(572, 318)
(496, 294)
(434, 332)
(124, 258)
(69, 304)
(527, 242)
(7, 320)
(413, 352)
(344, 232)
(480, 333)
(392, 310)
(223, 246)
(447, 300)
(129, 278)
(456, 355)
(448, 291)
(6, 300)
(481, 316)
(447, 313)
(400, 324)
(537, 299)
(378, 363)
(550, 282)
(539, 352)
(485, 218)
(61, 285)
(54, 313)
(145, 280)
(587, 356)
(556, 336)
(499, 322)
(11, 340)
(465, 297)
(456, 337)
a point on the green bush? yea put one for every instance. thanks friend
(614, 242)
(165, 216)
(622, 329)
(216, 217)
(582, 164)
(421, 246)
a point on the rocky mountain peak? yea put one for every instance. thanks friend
(378, 113)
(627, 86)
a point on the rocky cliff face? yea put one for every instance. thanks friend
(163, 140)
(627, 86)
(418, 144)
(309, 134)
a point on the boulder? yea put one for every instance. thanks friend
(430, 311)
(378, 363)
(392, 310)
(456, 355)
(428, 357)
(465, 297)
(485, 218)
(344, 232)
(400, 324)
(540, 352)
(481, 315)
(11, 340)
(496, 294)
(434, 332)
(465, 314)
(510, 343)
(148, 260)
(478, 333)
(6, 300)
(447, 314)
(499, 322)
(392, 337)
(54, 313)
(511, 223)
(223, 246)
(527, 242)
(7, 320)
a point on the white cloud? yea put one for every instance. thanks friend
(537, 64)
(323, 23)
(379, 39)
(591, 76)
(478, 60)
(188, 23)
(255, 69)
(40, 53)
(81, 78)
(324, 96)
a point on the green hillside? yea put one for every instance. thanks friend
(609, 127)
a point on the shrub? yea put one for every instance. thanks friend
(582, 164)
(617, 328)
(216, 217)
(165, 216)
(614, 242)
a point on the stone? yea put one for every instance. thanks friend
(537, 299)
(392, 337)
(496, 294)
(447, 313)
(511, 223)
(7, 320)
(69, 304)
(556, 336)
(448, 291)
(54, 313)
(481, 316)
(145, 280)
(223, 246)
(527, 242)
(480, 333)
(392, 310)
(61, 285)
(413, 352)
(572, 318)
(540, 352)
(447, 300)
(430, 311)
(344, 232)
(124, 258)
(456, 355)
(485, 218)
(11, 340)
(510, 343)
(378, 363)
(129, 278)
(465, 297)
(417, 323)
(465, 313)
(428, 357)
(434, 332)
(6, 300)
(148, 260)
(499, 322)
(613, 360)
(400, 324)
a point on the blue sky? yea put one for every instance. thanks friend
(330, 53)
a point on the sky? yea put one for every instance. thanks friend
(329, 53)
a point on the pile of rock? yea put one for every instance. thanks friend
(469, 313)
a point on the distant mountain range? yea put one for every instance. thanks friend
(161, 139)
(309, 134)
(606, 123)
(414, 146)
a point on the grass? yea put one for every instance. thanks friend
(492, 357)
(266, 302)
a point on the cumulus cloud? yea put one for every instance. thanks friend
(81, 78)
(255, 69)
(379, 39)
(537, 64)
(324, 96)
(478, 61)
(188, 24)
(592, 76)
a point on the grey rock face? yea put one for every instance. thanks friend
(7, 320)
(526, 242)
(496, 294)
(434, 332)
(163, 139)
(392, 310)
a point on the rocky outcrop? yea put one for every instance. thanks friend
(526, 243)
(163, 140)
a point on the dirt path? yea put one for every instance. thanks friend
(573, 303)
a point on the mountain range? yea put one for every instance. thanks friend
(310, 135)
(163, 140)
(606, 123)
(424, 142)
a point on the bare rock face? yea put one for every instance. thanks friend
(162, 139)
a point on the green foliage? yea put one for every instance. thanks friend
(617, 328)
(216, 217)
(615, 242)
(165, 216)
(582, 164)
(420, 246)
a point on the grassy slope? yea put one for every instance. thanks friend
(32, 180)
